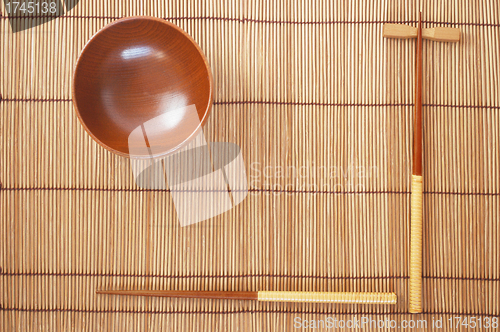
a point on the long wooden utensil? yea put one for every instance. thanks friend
(416, 187)
(270, 296)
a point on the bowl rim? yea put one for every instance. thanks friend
(210, 84)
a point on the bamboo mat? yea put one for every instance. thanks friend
(321, 107)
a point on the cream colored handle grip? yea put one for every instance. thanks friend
(416, 245)
(403, 31)
(329, 297)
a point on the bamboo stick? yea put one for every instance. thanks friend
(416, 189)
(267, 296)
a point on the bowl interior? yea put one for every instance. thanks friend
(142, 70)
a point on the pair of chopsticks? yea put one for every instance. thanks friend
(390, 31)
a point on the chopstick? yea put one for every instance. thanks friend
(268, 296)
(416, 187)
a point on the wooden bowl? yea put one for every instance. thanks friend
(136, 70)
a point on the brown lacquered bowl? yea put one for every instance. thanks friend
(146, 76)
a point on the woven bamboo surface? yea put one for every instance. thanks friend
(308, 84)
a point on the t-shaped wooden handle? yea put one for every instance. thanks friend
(403, 31)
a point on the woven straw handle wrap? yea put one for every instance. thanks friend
(416, 245)
(320, 297)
